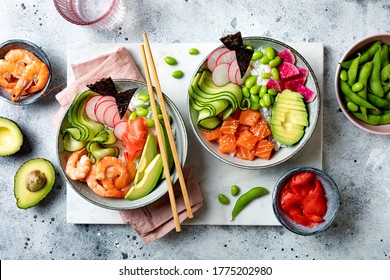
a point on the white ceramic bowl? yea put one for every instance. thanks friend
(286, 152)
(123, 204)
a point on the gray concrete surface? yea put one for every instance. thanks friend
(355, 159)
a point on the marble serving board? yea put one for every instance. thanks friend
(213, 175)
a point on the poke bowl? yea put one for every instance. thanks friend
(121, 151)
(38, 79)
(244, 134)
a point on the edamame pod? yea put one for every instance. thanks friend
(385, 73)
(364, 74)
(384, 55)
(366, 56)
(373, 119)
(353, 70)
(379, 102)
(246, 198)
(375, 81)
(346, 89)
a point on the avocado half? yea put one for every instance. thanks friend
(25, 198)
(11, 138)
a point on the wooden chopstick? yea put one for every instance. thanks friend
(169, 130)
(161, 141)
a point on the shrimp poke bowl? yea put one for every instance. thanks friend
(108, 147)
(253, 102)
(25, 72)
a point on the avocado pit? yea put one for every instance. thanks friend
(35, 180)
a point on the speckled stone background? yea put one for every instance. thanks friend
(357, 161)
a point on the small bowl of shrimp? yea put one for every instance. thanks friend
(25, 72)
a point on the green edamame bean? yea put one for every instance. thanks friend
(266, 100)
(357, 87)
(346, 90)
(353, 70)
(373, 119)
(385, 73)
(249, 47)
(344, 75)
(143, 97)
(255, 89)
(177, 74)
(133, 116)
(250, 81)
(245, 92)
(223, 199)
(160, 117)
(384, 55)
(272, 99)
(272, 92)
(257, 55)
(386, 89)
(144, 106)
(374, 80)
(352, 106)
(255, 98)
(265, 75)
(270, 53)
(246, 198)
(170, 60)
(264, 60)
(141, 112)
(193, 51)
(234, 190)
(378, 102)
(275, 62)
(263, 90)
(275, 73)
(255, 106)
(150, 122)
(261, 103)
(366, 56)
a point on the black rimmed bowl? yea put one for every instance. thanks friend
(181, 142)
(285, 153)
(331, 193)
(38, 52)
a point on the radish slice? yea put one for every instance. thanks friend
(109, 115)
(90, 107)
(211, 61)
(226, 57)
(101, 108)
(119, 129)
(116, 119)
(103, 99)
(233, 66)
(240, 81)
(220, 75)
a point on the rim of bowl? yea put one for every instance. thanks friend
(185, 153)
(315, 80)
(278, 187)
(375, 129)
(36, 97)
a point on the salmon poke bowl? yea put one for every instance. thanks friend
(253, 102)
(108, 147)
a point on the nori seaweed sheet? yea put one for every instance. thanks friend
(232, 41)
(123, 100)
(105, 86)
(244, 57)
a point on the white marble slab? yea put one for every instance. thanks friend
(213, 175)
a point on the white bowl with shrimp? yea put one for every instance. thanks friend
(40, 75)
(85, 192)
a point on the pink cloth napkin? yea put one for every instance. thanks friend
(154, 220)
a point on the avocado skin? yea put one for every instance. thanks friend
(18, 141)
(24, 198)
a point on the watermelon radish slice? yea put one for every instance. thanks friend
(119, 129)
(272, 83)
(101, 109)
(90, 107)
(109, 115)
(287, 70)
(233, 67)
(287, 56)
(307, 94)
(212, 59)
(240, 81)
(116, 119)
(104, 98)
(226, 57)
(220, 75)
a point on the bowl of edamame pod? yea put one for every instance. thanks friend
(306, 200)
(362, 84)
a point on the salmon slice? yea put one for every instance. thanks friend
(229, 126)
(212, 135)
(247, 140)
(264, 149)
(249, 117)
(227, 144)
(261, 129)
(245, 153)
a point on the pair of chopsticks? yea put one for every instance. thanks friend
(160, 135)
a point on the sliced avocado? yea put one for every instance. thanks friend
(289, 94)
(167, 149)
(292, 117)
(25, 177)
(296, 102)
(286, 124)
(286, 105)
(148, 154)
(11, 138)
(148, 182)
(286, 135)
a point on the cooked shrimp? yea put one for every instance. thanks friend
(105, 187)
(20, 55)
(112, 168)
(78, 165)
(34, 78)
(7, 72)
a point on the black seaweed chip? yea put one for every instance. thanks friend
(123, 100)
(244, 57)
(232, 41)
(105, 86)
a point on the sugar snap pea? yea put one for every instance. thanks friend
(355, 98)
(246, 198)
(374, 80)
(373, 119)
(365, 56)
(353, 70)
